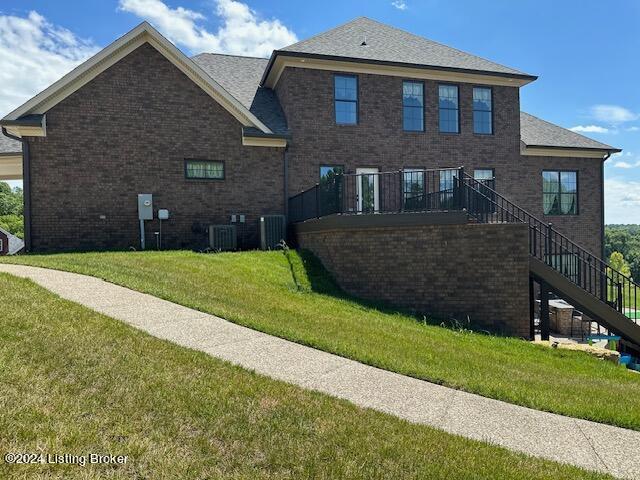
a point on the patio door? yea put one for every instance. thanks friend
(368, 190)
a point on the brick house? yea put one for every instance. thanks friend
(219, 139)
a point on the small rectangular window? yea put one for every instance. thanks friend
(327, 172)
(346, 99)
(204, 169)
(413, 106)
(482, 111)
(483, 174)
(560, 192)
(448, 106)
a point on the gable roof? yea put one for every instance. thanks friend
(390, 45)
(535, 132)
(15, 243)
(143, 33)
(240, 76)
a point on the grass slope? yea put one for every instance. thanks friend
(74, 381)
(257, 289)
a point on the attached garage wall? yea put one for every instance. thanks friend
(462, 270)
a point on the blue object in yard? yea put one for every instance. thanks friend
(625, 360)
(612, 340)
(634, 366)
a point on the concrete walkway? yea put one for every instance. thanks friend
(585, 444)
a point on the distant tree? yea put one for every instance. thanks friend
(10, 200)
(13, 224)
(618, 263)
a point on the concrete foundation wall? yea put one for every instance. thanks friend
(447, 270)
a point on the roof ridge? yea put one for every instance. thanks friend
(325, 31)
(230, 55)
(443, 45)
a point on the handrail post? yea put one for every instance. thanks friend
(544, 311)
(620, 308)
(317, 200)
(461, 202)
(401, 191)
(547, 244)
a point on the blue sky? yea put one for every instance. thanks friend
(585, 52)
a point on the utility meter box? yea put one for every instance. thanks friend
(163, 214)
(145, 206)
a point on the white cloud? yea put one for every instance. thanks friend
(33, 54)
(622, 201)
(632, 129)
(623, 165)
(241, 31)
(399, 4)
(589, 129)
(613, 114)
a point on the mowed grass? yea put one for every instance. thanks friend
(297, 300)
(75, 382)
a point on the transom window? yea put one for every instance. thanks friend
(346, 99)
(483, 174)
(204, 169)
(482, 111)
(413, 106)
(560, 192)
(329, 172)
(448, 106)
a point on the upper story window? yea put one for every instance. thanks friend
(413, 106)
(346, 99)
(560, 192)
(448, 105)
(482, 110)
(204, 170)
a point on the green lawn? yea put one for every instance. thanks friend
(76, 382)
(258, 289)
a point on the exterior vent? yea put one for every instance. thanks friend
(223, 237)
(272, 231)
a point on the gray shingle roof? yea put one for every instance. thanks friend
(15, 243)
(537, 132)
(388, 44)
(240, 76)
(8, 145)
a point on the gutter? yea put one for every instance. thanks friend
(284, 53)
(26, 187)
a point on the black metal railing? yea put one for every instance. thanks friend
(380, 192)
(450, 189)
(583, 268)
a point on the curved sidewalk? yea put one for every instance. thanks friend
(586, 444)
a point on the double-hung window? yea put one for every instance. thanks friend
(413, 106)
(560, 192)
(346, 99)
(448, 107)
(204, 170)
(482, 111)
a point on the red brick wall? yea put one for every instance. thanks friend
(469, 270)
(378, 141)
(127, 132)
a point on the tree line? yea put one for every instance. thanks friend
(622, 248)
(11, 209)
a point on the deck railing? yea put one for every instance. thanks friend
(452, 189)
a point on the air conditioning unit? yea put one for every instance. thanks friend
(272, 231)
(223, 237)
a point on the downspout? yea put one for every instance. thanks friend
(26, 186)
(602, 204)
(286, 183)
